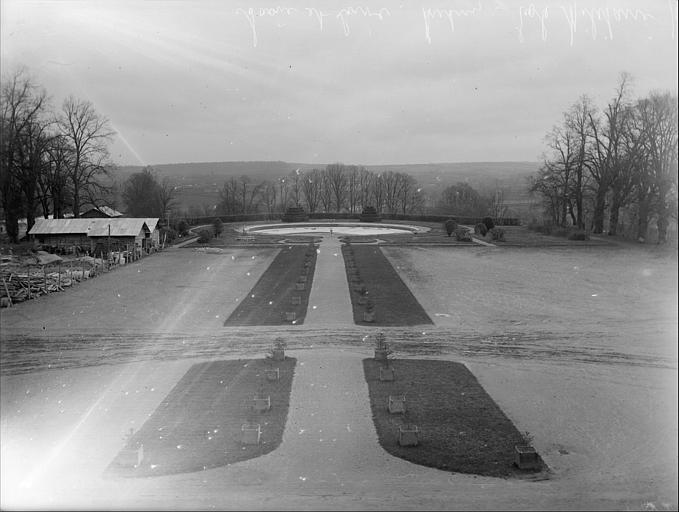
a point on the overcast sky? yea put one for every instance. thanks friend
(319, 82)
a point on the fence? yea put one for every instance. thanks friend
(24, 281)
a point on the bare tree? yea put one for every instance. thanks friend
(337, 179)
(311, 188)
(607, 151)
(88, 135)
(22, 105)
(295, 180)
(54, 182)
(658, 118)
(269, 197)
(497, 208)
(577, 122)
(166, 195)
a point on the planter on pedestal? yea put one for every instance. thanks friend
(273, 374)
(262, 404)
(396, 404)
(131, 457)
(525, 457)
(408, 435)
(250, 433)
(382, 349)
(387, 374)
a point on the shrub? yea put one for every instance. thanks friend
(183, 227)
(204, 236)
(462, 235)
(488, 222)
(480, 229)
(450, 225)
(218, 226)
(578, 235)
(497, 234)
(168, 235)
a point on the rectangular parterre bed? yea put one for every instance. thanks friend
(373, 281)
(461, 428)
(198, 425)
(277, 299)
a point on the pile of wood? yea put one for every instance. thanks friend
(23, 282)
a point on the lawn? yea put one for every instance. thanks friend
(394, 304)
(198, 425)
(462, 429)
(275, 294)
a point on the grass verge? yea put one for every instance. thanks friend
(394, 303)
(198, 425)
(272, 296)
(462, 429)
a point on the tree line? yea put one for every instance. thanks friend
(600, 162)
(51, 161)
(340, 188)
(335, 188)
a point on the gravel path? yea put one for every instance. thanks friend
(329, 300)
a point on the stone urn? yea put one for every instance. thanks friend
(251, 433)
(525, 457)
(396, 404)
(408, 435)
(261, 404)
(387, 374)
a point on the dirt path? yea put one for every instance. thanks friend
(329, 300)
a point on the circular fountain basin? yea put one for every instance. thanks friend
(338, 228)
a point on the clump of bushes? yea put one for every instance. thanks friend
(204, 236)
(451, 226)
(488, 222)
(497, 234)
(578, 235)
(570, 233)
(183, 227)
(462, 235)
(480, 229)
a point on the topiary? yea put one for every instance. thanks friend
(462, 235)
(488, 222)
(480, 229)
(218, 226)
(450, 225)
(204, 236)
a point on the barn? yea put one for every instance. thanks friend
(93, 235)
(101, 212)
(153, 224)
(64, 235)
